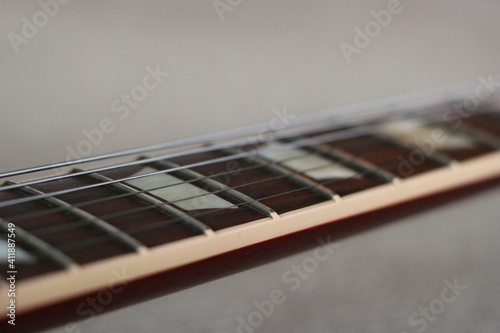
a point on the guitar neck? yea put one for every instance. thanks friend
(94, 226)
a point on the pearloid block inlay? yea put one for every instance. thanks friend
(303, 161)
(184, 195)
(414, 132)
(21, 255)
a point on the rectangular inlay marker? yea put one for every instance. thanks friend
(184, 195)
(22, 255)
(303, 161)
(413, 131)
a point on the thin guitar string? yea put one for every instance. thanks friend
(21, 217)
(314, 140)
(121, 195)
(234, 133)
(68, 246)
(69, 224)
(49, 230)
(231, 144)
(239, 142)
(420, 99)
(339, 135)
(319, 139)
(253, 200)
(110, 198)
(114, 215)
(148, 160)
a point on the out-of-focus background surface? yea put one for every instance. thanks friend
(222, 73)
(230, 63)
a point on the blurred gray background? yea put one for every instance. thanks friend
(263, 55)
(224, 73)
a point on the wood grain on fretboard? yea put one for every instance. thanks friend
(83, 227)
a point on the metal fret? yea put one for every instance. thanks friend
(155, 203)
(347, 158)
(434, 157)
(40, 247)
(121, 237)
(476, 134)
(294, 177)
(232, 193)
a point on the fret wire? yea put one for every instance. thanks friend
(37, 197)
(339, 135)
(115, 233)
(346, 158)
(282, 193)
(299, 144)
(145, 208)
(108, 168)
(99, 239)
(295, 177)
(39, 247)
(303, 143)
(21, 217)
(434, 157)
(74, 224)
(163, 171)
(231, 192)
(168, 210)
(475, 134)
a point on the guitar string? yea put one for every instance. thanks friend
(68, 246)
(212, 211)
(319, 139)
(150, 160)
(20, 217)
(228, 134)
(121, 213)
(201, 150)
(109, 198)
(17, 217)
(338, 135)
(167, 156)
(51, 229)
(428, 98)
